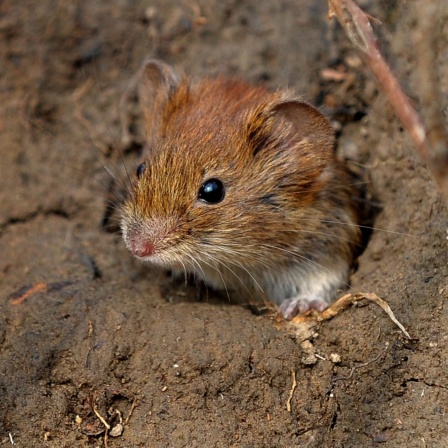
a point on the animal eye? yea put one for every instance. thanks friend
(212, 191)
(141, 169)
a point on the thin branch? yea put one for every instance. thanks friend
(432, 146)
(431, 17)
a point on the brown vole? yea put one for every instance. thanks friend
(241, 187)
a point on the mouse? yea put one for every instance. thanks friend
(240, 186)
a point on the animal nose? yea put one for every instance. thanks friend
(142, 248)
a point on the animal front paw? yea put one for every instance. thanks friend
(290, 308)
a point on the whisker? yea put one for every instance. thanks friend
(331, 235)
(245, 254)
(179, 259)
(239, 264)
(194, 263)
(217, 270)
(338, 187)
(360, 226)
(232, 271)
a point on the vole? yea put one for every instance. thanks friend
(241, 187)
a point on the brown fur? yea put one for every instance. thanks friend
(274, 155)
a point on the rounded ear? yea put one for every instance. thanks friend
(306, 125)
(157, 83)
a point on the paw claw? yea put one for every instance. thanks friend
(290, 308)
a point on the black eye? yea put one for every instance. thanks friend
(141, 169)
(212, 191)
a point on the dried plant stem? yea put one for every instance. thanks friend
(432, 145)
(432, 15)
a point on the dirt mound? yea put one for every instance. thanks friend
(102, 340)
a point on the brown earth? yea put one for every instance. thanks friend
(106, 334)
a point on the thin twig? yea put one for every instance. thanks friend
(432, 15)
(37, 287)
(433, 150)
(291, 392)
(135, 403)
(344, 302)
(101, 418)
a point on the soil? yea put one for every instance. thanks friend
(100, 339)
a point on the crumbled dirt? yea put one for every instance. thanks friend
(106, 337)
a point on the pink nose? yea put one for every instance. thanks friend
(142, 248)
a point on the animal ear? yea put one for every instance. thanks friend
(158, 82)
(304, 125)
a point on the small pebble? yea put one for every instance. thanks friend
(116, 431)
(335, 358)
